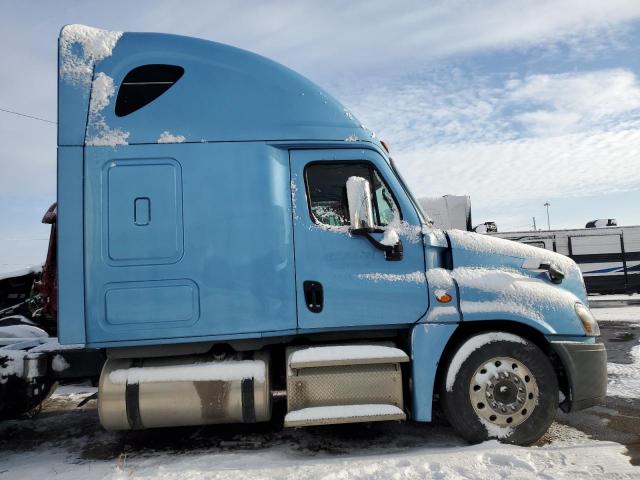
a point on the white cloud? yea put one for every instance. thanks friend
(383, 34)
(455, 106)
(574, 101)
(509, 140)
(501, 173)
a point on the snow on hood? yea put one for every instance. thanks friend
(492, 279)
(484, 244)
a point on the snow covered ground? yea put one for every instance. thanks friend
(68, 442)
(65, 443)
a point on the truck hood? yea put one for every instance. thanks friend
(492, 281)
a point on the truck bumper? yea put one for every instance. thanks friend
(585, 365)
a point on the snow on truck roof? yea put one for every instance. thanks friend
(120, 88)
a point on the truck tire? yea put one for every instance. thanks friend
(500, 385)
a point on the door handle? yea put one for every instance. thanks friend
(313, 295)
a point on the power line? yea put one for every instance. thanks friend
(27, 116)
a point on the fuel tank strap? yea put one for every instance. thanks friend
(132, 402)
(248, 404)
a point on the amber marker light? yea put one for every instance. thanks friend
(443, 297)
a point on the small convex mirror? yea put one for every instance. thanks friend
(360, 206)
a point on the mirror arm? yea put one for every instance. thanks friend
(391, 252)
(556, 275)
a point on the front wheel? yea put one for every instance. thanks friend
(500, 385)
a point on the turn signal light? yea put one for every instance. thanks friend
(443, 297)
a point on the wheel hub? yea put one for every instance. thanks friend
(503, 391)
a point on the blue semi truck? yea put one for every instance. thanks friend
(229, 236)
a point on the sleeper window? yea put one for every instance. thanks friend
(143, 85)
(326, 184)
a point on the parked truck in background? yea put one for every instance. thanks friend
(448, 212)
(230, 236)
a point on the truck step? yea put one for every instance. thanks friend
(344, 375)
(334, 414)
(335, 355)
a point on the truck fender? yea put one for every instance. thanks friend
(428, 342)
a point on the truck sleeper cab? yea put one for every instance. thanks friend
(231, 236)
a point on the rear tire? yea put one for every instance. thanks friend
(500, 385)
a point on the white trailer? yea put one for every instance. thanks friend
(609, 257)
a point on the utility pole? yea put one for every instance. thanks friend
(547, 204)
(535, 229)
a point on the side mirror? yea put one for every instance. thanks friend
(362, 223)
(556, 275)
(360, 205)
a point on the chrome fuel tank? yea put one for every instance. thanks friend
(194, 390)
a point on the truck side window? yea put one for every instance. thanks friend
(326, 185)
(143, 85)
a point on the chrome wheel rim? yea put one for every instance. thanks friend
(503, 392)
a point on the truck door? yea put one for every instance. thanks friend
(342, 280)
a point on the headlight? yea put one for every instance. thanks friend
(589, 323)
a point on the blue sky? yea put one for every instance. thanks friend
(513, 102)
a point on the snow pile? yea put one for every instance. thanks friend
(512, 292)
(167, 137)
(624, 379)
(413, 277)
(225, 371)
(101, 134)
(342, 411)
(346, 353)
(106, 136)
(80, 48)
(439, 278)
(102, 90)
(59, 364)
(21, 331)
(390, 238)
(487, 279)
(495, 431)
